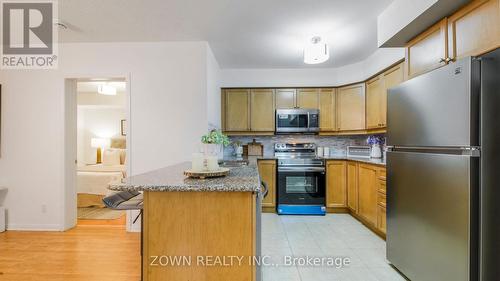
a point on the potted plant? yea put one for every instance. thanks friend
(213, 143)
(375, 142)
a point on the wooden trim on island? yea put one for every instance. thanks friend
(199, 224)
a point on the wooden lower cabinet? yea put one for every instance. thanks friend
(352, 186)
(336, 186)
(194, 224)
(267, 172)
(382, 219)
(360, 188)
(367, 193)
(382, 201)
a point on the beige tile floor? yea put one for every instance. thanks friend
(334, 235)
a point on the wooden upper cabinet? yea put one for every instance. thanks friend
(327, 110)
(262, 108)
(267, 172)
(308, 98)
(336, 185)
(428, 50)
(375, 98)
(392, 78)
(351, 107)
(474, 29)
(236, 107)
(285, 98)
(367, 192)
(352, 186)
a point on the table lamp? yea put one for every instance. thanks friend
(99, 143)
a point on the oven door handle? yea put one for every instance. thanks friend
(301, 169)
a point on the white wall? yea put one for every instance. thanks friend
(175, 93)
(319, 77)
(100, 122)
(213, 91)
(168, 85)
(397, 15)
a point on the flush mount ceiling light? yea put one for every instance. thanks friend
(107, 90)
(316, 52)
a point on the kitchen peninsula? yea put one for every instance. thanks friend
(198, 218)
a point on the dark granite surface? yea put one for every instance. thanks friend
(240, 179)
(374, 161)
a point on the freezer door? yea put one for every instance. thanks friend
(439, 108)
(430, 213)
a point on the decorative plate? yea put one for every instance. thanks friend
(221, 172)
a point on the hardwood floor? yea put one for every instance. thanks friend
(116, 222)
(99, 253)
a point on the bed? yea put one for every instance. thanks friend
(93, 180)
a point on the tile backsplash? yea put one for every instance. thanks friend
(337, 144)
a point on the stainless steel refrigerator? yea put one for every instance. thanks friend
(443, 181)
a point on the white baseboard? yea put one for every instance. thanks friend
(34, 227)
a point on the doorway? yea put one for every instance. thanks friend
(96, 148)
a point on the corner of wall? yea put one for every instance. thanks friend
(213, 91)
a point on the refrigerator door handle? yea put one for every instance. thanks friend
(471, 151)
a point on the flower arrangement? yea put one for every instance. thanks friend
(215, 137)
(375, 139)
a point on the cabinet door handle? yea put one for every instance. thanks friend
(449, 60)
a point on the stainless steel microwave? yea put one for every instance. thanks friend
(297, 121)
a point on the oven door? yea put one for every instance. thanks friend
(288, 122)
(301, 186)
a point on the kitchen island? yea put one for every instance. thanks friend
(198, 229)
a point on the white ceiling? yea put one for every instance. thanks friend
(241, 33)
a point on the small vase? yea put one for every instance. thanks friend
(376, 151)
(239, 152)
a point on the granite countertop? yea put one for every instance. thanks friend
(374, 161)
(240, 179)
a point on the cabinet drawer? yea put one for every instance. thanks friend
(382, 173)
(382, 219)
(381, 199)
(382, 186)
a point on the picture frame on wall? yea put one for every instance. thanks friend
(123, 127)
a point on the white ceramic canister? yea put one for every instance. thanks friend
(212, 163)
(326, 151)
(197, 163)
(319, 151)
